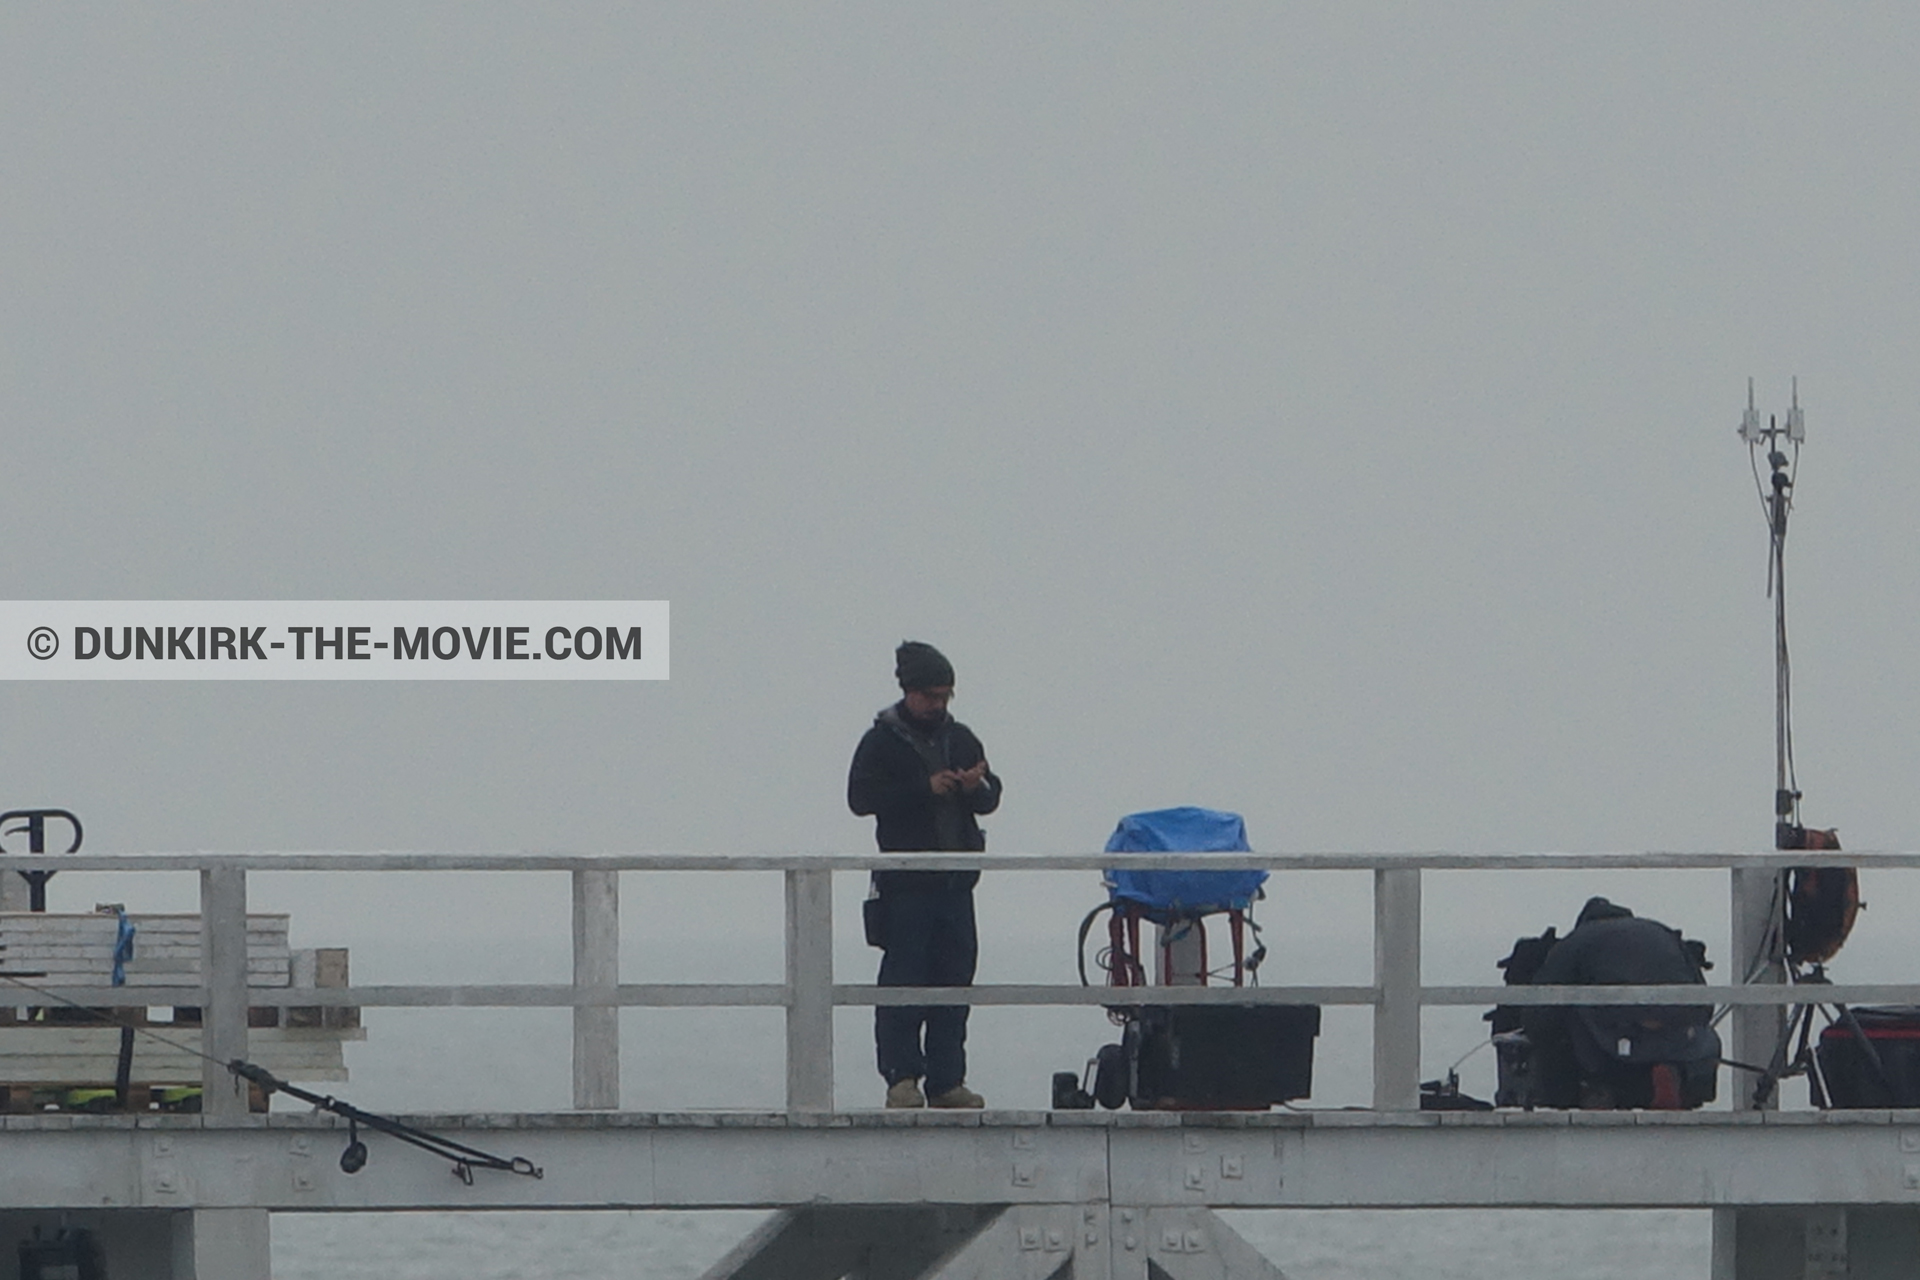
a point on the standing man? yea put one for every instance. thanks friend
(923, 776)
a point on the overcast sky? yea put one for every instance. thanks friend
(1324, 412)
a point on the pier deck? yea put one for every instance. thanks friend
(746, 1160)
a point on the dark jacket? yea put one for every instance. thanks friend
(1612, 947)
(889, 780)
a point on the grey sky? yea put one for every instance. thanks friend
(1324, 412)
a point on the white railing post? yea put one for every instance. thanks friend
(1756, 1028)
(15, 894)
(223, 970)
(1396, 973)
(596, 966)
(1756, 901)
(809, 990)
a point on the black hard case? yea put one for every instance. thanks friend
(1852, 1078)
(1229, 1058)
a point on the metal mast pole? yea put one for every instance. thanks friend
(1758, 897)
(1782, 692)
(1777, 502)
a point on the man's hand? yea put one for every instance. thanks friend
(945, 782)
(971, 779)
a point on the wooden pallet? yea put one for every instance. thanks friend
(77, 950)
(48, 1051)
(87, 1056)
(22, 1099)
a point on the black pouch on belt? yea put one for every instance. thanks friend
(873, 918)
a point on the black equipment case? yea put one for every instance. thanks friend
(1227, 1058)
(1869, 1058)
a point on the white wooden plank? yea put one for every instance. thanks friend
(44, 1038)
(273, 943)
(76, 949)
(29, 1067)
(164, 973)
(185, 922)
(142, 946)
(173, 964)
(101, 1071)
(104, 954)
(59, 1054)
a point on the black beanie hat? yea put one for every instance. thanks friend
(921, 666)
(1601, 909)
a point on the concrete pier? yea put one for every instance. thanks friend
(1071, 1189)
(1065, 1195)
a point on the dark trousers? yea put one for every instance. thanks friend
(930, 942)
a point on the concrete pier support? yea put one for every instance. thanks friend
(865, 1242)
(152, 1244)
(222, 1244)
(1818, 1242)
(1757, 907)
(1014, 1242)
(134, 1244)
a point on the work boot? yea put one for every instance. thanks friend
(902, 1094)
(958, 1097)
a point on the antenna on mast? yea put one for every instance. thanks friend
(1776, 501)
(1814, 906)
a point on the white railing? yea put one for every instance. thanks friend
(809, 995)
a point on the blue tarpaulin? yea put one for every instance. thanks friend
(122, 947)
(1187, 829)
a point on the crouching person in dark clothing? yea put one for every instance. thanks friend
(1623, 1056)
(923, 777)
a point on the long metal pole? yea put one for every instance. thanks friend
(1782, 692)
